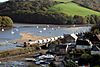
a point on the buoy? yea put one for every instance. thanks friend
(40, 31)
(3, 30)
(48, 26)
(52, 28)
(59, 27)
(44, 28)
(12, 32)
(74, 25)
(37, 27)
(16, 29)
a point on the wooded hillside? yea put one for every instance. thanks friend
(49, 12)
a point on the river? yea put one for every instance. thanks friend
(40, 30)
(37, 30)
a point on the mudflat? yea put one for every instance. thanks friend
(25, 37)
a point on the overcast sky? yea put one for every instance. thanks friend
(3, 0)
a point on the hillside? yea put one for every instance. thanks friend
(63, 0)
(49, 12)
(25, 7)
(72, 9)
(92, 4)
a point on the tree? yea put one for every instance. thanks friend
(5, 21)
(96, 29)
(70, 63)
(95, 60)
(78, 19)
(85, 59)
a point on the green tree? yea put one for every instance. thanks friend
(5, 21)
(70, 63)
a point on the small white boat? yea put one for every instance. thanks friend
(52, 28)
(12, 32)
(3, 30)
(48, 26)
(44, 28)
(37, 27)
(46, 56)
(58, 27)
(40, 31)
(30, 59)
(16, 29)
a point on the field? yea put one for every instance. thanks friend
(63, 0)
(72, 9)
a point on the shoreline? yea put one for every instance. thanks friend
(51, 25)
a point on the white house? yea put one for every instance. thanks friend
(70, 37)
(74, 36)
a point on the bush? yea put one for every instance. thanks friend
(5, 21)
(95, 29)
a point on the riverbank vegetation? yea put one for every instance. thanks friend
(16, 52)
(95, 29)
(5, 21)
(49, 12)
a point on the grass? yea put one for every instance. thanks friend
(72, 9)
(63, 0)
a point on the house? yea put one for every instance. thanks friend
(95, 50)
(58, 49)
(83, 44)
(61, 49)
(58, 61)
(94, 38)
(70, 38)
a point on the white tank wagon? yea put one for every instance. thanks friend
(40, 41)
(61, 37)
(45, 41)
(56, 38)
(48, 40)
(52, 39)
(33, 42)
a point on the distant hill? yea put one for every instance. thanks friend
(93, 4)
(25, 6)
(49, 12)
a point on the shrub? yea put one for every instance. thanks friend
(5, 21)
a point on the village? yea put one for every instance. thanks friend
(49, 33)
(69, 50)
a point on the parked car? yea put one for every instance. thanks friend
(47, 56)
(41, 62)
(37, 55)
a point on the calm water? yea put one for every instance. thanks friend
(39, 30)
